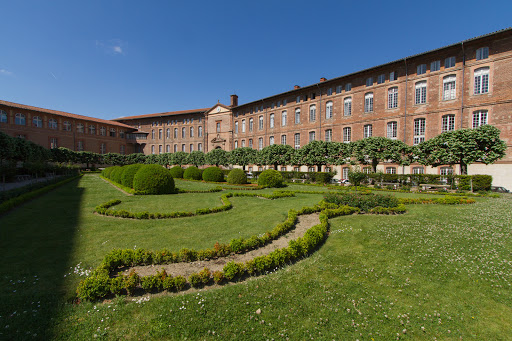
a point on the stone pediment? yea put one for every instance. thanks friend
(218, 139)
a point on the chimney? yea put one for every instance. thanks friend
(323, 79)
(234, 100)
(296, 86)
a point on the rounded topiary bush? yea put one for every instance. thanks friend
(237, 177)
(128, 175)
(116, 173)
(192, 173)
(213, 174)
(177, 172)
(153, 179)
(270, 178)
(106, 172)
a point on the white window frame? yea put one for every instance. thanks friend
(283, 139)
(368, 102)
(297, 116)
(420, 92)
(260, 122)
(328, 135)
(419, 130)
(243, 126)
(236, 127)
(481, 81)
(271, 140)
(367, 130)
(393, 97)
(296, 140)
(251, 124)
(347, 134)
(272, 120)
(347, 106)
(312, 136)
(448, 123)
(392, 130)
(482, 53)
(52, 123)
(328, 110)
(284, 116)
(480, 118)
(449, 87)
(421, 69)
(312, 113)
(260, 143)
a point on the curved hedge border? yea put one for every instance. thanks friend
(11, 203)
(447, 200)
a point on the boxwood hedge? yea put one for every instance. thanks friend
(153, 179)
(237, 177)
(213, 174)
(192, 173)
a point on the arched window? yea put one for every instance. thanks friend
(260, 143)
(260, 123)
(175, 133)
(449, 87)
(481, 80)
(191, 131)
(251, 124)
(421, 93)
(19, 119)
(200, 147)
(175, 148)
(200, 131)
(368, 102)
(328, 110)
(271, 140)
(243, 126)
(168, 148)
(312, 136)
(312, 113)
(296, 140)
(52, 123)
(393, 98)
(236, 127)
(272, 120)
(297, 116)
(37, 122)
(152, 135)
(168, 135)
(191, 148)
(283, 118)
(347, 106)
(152, 149)
(328, 135)
(183, 132)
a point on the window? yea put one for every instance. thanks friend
(243, 143)
(218, 127)
(66, 125)
(421, 69)
(236, 127)
(191, 131)
(390, 170)
(328, 135)
(348, 86)
(92, 129)
(251, 124)
(243, 126)
(278, 104)
(312, 136)
(419, 130)
(283, 139)
(449, 62)
(103, 132)
(260, 143)
(260, 123)
(175, 133)
(393, 98)
(392, 76)
(272, 120)
(283, 118)
(421, 93)
(479, 118)
(369, 81)
(367, 170)
(344, 172)
(80, 128)
(53, 143)
(191, 148)
(121, 134)
(168, 148)
(481, 80)
(37, 122)
(347, 134)
(312, 113)
(52, 123)
(200, 131)
(297, 116)
(435, 66)
(368, 102)
(160, 149)
(200, 147)
(367, 130)
(381, 79)
(183, 132)
(271, 140)
(152, 149)
(153, 134)
(168, 133)
(103, 148)
(392, 128)
(418, 170)
(113, 132)
(3, 116)
(347, 106)
(296, 141)
(236, 144)
(448, 123)
(122, 149)
(311, 169)
(482, 53)
(313, 95)
(328, 110)
(297, 99)
(175, 148)
(284, 103)
(338, 89)
(449, 87)
(446, 171)
(160, 132)
(183, 148)
(250, 143)
(80, 146)
(329, 92)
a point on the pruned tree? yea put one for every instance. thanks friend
(179, 158)
(217, 157)
(339, 153)
(275, 155)
(376, 149)
(242, 156)
(196, 158)
(315, 153)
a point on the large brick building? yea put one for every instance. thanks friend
(463, 85)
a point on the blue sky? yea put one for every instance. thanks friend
(110, 59)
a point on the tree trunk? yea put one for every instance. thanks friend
(463, 168)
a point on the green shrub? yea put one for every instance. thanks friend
(177, 172)
(195, 280)
(117, 285)
(232, 270)
(237, 177)
(94, 287)
(106, 172)
(131, 281)
(363, 201)
(169, 283)
(192, 173)
(151, 283)
(153, 179)
(213, 174)
(323, 177)
(218, 277)
(117, 173)
(128, 175)
(482, 182)
(179, 282)
(270, 178)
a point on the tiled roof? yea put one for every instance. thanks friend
(62, 113)
(170, 113)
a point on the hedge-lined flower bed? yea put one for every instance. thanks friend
(447, 200)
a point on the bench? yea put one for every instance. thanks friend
(433, 186)
(298, 180)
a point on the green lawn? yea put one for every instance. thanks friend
(436, 271)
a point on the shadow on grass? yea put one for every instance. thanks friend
(36, 244)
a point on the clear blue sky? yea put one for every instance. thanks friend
(117, 58)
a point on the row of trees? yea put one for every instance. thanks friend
(460, 147)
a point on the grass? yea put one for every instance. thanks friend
(437, 271)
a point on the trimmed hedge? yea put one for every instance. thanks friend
(237, 177)
(213, 174)
(192, 173)
(270, 178)
(177, 172)
(108, 171)
(128, 174)
(117, 174)
(153, 179)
